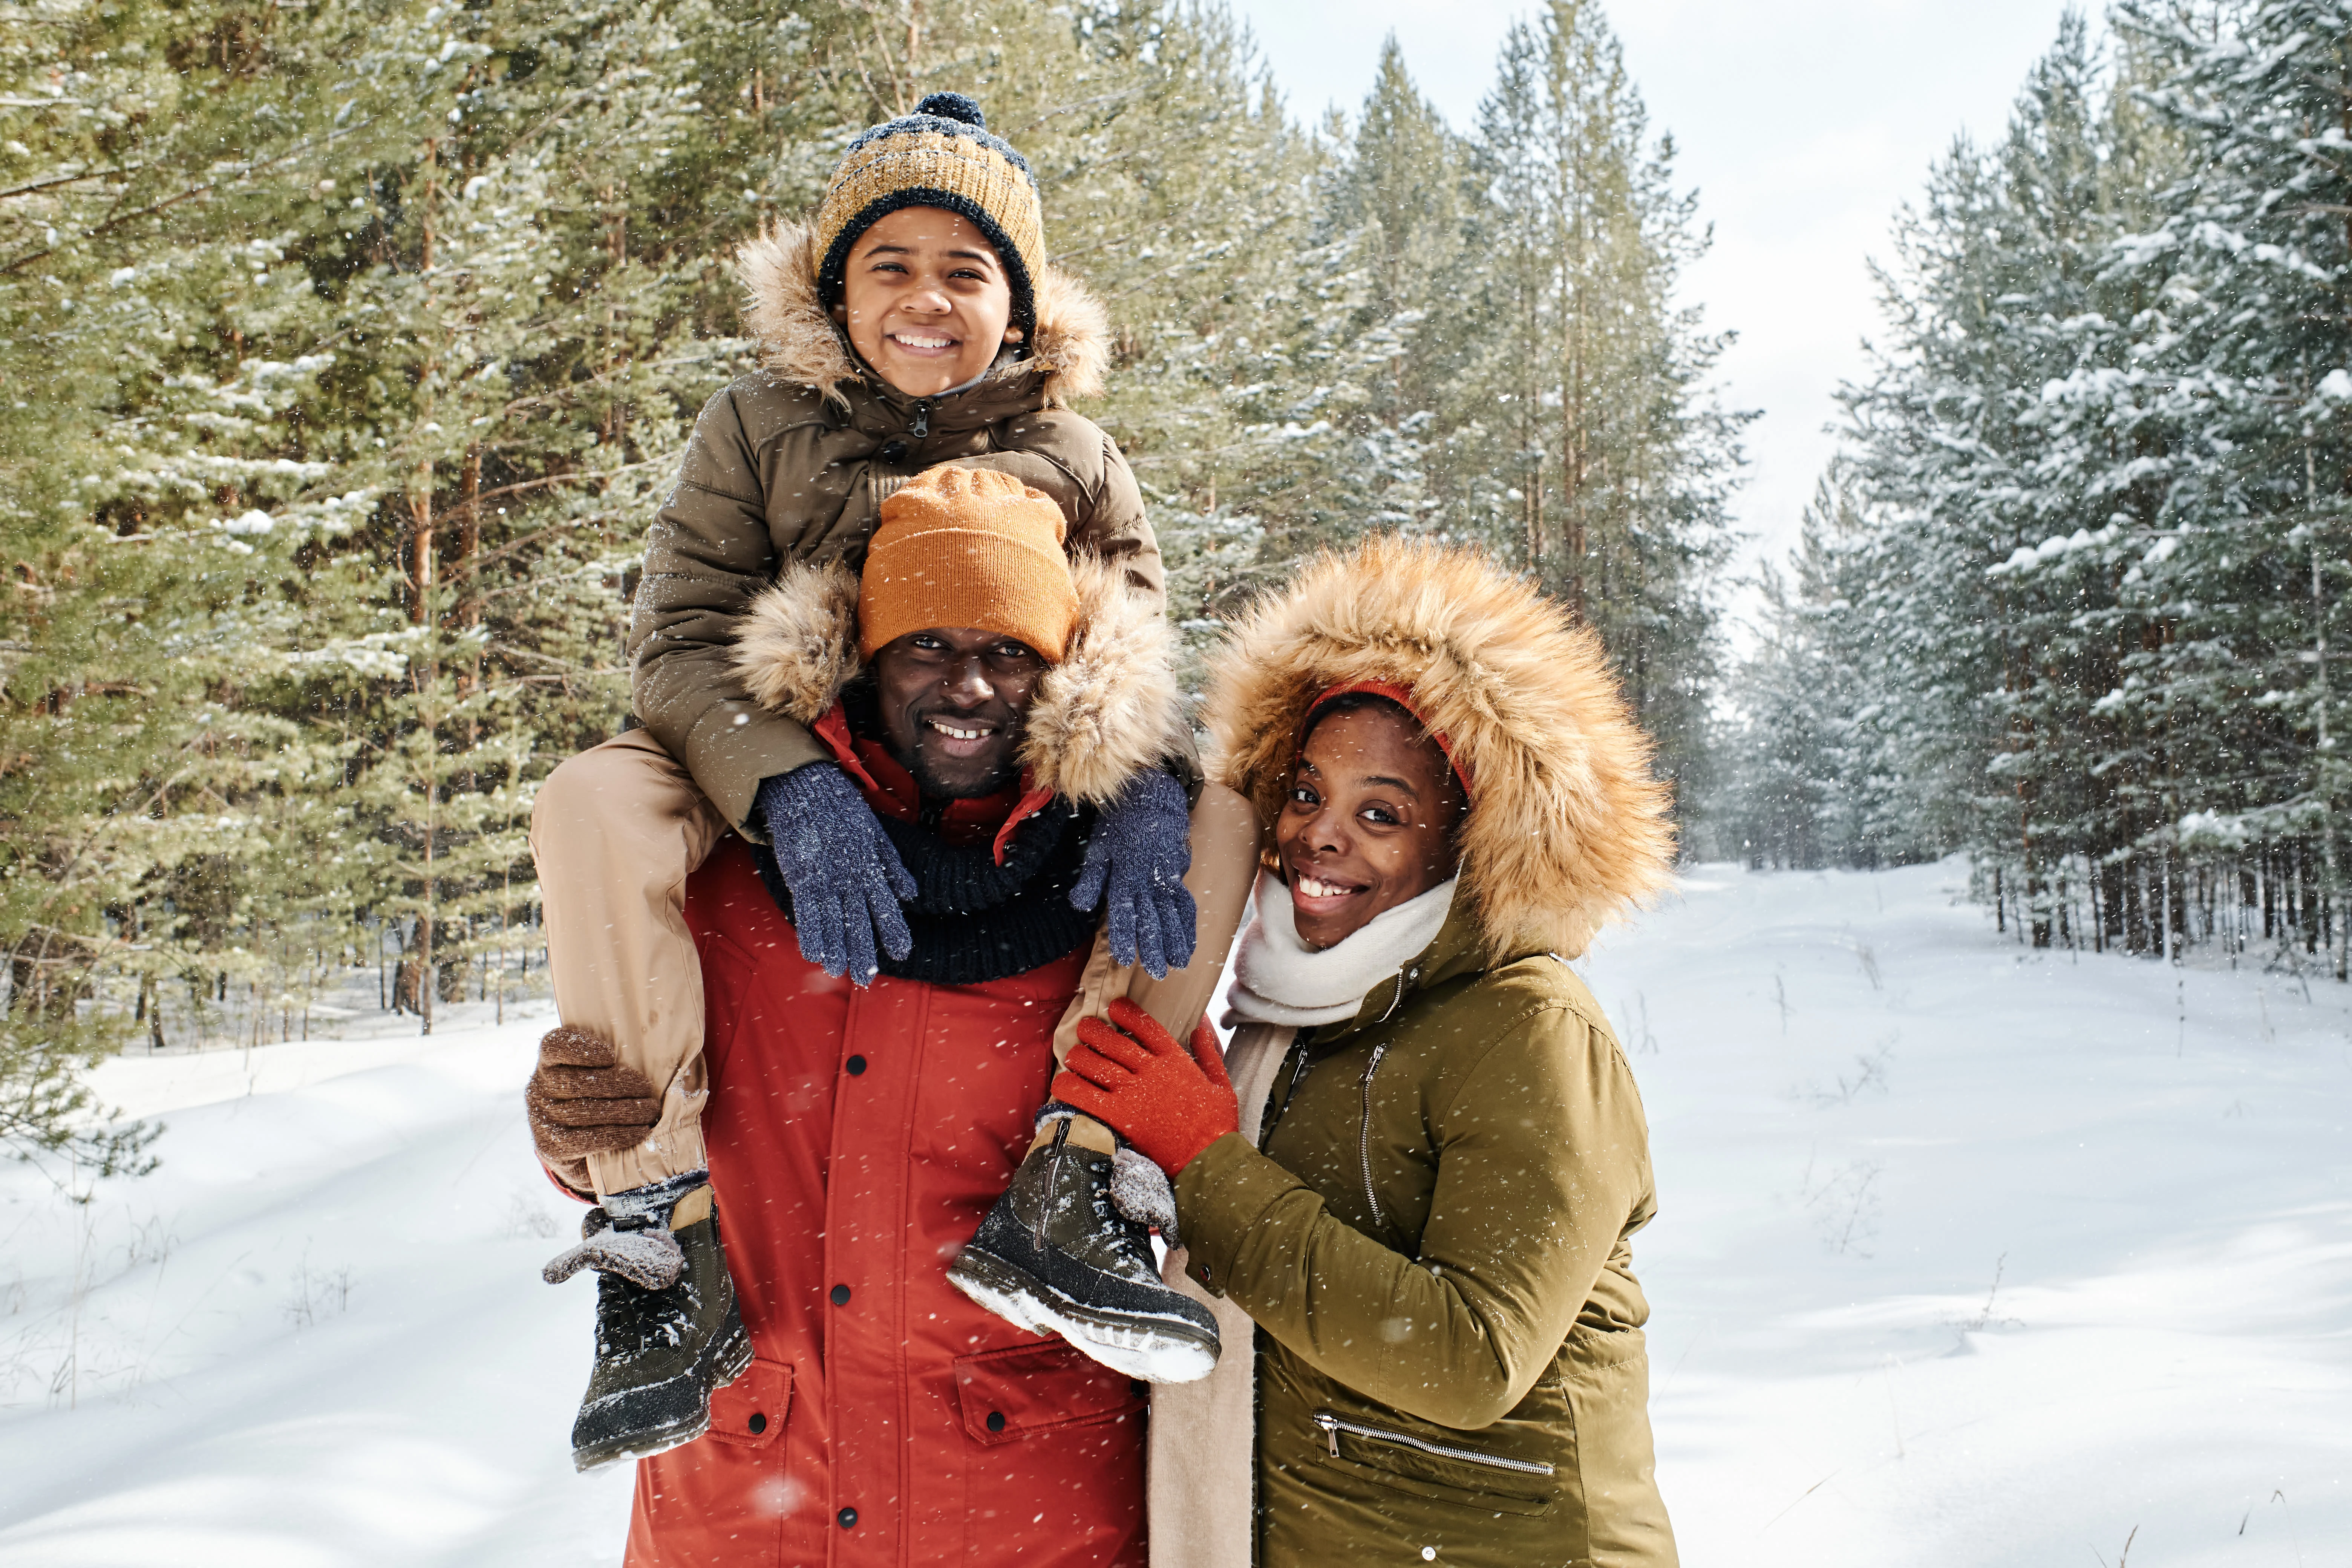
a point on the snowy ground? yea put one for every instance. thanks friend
(1866, 1108)
(316, 1335)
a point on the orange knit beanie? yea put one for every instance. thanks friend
(968, 547)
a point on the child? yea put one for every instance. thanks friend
(912, 324)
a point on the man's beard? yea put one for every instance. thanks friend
(994, 782)
(937, 788)
(861, 697)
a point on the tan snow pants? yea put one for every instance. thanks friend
(617, 829)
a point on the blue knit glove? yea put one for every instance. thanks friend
(846, 877)
(1139, 852)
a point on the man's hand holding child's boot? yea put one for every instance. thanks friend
(845, 875)
(667, 1329)
(581, 1101)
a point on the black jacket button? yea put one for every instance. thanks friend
(758, 1423)
(996, 1420)
(847, 1516)
(856, 1066)
(893, 452)
(841, 1294)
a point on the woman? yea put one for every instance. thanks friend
(1430, 1233)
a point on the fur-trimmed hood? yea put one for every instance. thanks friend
(1109, 710)
(800, 344)
(1568, 828)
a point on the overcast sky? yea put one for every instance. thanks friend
(1803, 123)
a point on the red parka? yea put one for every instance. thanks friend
(857, 1138)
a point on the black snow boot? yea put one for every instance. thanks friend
(1056, 1256)
(667, 1331)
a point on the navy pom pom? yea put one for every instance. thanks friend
(953, 105)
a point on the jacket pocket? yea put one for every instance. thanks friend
(1010, 1393)
(1440, 1470)
(750, 1412)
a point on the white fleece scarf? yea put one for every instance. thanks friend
(1279, 979)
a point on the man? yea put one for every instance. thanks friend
(913, 320)
(856, 1137)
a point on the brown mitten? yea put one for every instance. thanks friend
(581, 1101)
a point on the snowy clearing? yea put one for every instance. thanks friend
(317, 1336)
(1866, 1107)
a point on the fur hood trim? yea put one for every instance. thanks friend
(1108, 711)
(799, 343)
(1568, 828)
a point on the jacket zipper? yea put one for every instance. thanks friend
(1333, 1425)
(1364, 1135)
(922, 426)
(1275, 1110)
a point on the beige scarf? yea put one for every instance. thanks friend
(1201, 1483)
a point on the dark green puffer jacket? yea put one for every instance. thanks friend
(1434, 1244)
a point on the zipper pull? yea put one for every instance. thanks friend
(1330, 1424)
(922, 418)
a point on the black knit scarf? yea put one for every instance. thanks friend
(972, 920)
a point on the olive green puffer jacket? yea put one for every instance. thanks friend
(1434, 1244)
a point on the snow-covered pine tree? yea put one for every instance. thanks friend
(153, 516)
(538, 301)
(2000, 644)
(1406, 195)
(1619, 465)
(1807, 773)
(347, 449)
(2101, 460)
(2248, 387)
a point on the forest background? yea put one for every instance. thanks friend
(348, 346)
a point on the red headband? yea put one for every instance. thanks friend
(1402, 697)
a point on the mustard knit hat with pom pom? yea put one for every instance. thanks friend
(940, 157)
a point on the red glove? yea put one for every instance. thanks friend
(1144, 1086)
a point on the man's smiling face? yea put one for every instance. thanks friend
(953, 700)
(926, 300)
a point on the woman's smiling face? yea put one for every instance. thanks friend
(1368, 822)
(925, 301)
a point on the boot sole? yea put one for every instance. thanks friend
(729, 1356)
(1176, 1353)
(645, 1442)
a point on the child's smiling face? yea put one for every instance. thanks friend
(925, 301)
